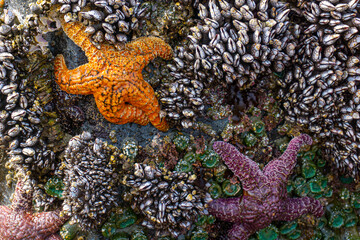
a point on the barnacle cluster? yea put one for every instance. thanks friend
(233, 42)
(171, 20)
(169, 200)
(320, 90)
(20, 127)
(110, 21)
(90, 178)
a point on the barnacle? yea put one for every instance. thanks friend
(169, 200)
(320, 89)
(90, 178)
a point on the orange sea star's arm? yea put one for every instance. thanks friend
(143, 97)
(116, 110)
(81, 80)
(76, 32)
(130, 101)
(146, 49)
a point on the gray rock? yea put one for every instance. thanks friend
(20, 8)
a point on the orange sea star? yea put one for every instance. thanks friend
(114, 77)
(18, 222)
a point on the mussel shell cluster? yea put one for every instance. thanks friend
(110, 21)
(20, 113)
(233, 42)
(90, 178)
(320, 90)
(169, 200)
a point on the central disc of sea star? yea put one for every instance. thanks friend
(114, 77)
(265, 196)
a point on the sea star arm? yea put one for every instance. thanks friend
(4, 213)
(279, 169)
(146, 49)
(226, 209)
(243, 167)
(229, 210)
(47, 223)
(116, 110)
(132, 100)
(22, 199)
(81, 80)
(76, 32)
(240, 232)
(143, 97)
(54, 237)
(19, 222)
(127, 114)
(292, 208)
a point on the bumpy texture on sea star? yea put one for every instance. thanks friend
(265, 197)
(18, 222)
(114, 77)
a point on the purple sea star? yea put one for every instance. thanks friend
(264, 197)
(18, 222)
